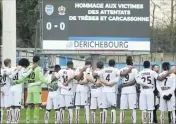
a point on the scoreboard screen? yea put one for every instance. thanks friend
(96, 25)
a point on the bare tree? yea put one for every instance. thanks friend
(172, 26)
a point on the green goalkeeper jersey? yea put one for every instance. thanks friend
(34, 76)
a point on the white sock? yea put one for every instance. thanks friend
(8, 116)
(101, 117)
(173, 116)
(150, 117)
(61, 116)
(133, 116)
(12, 113)
(70, 115)
(105, 114)
(57, 117)
(87, 113)
(144, 117)
(16, 115)
(77, 114)
(113, 116)
(1, 115)
(93, 117)
(162, 117)
(47, 117)
(122, 116)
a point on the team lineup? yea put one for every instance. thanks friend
(89, 88)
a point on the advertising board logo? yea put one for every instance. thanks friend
(49, 9)
(61, 10)
(69, 44)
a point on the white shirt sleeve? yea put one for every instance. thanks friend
(58, 75)
(173, 86)
(155, 75)
(121, 70)
(158, 87)
(135, 72)
(26, 73)
(118, 72)
(100, 73)
(7, 72)
(13, 74)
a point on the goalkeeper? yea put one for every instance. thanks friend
(34, 79)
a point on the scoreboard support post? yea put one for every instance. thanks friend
(95, 58)
(9, 30)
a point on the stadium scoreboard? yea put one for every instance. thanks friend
(96, 25)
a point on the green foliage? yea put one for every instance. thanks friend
(27, 16)
(161, 39)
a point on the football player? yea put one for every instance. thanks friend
(96, 88)
(53, 99)
(16, 90)
(166, 89)
(128, 98)
(34, 92)
(156, 93)
(1, 93)
(82, 97)
(110, 74)
(146, 79)
(66, 77)
(6, 89)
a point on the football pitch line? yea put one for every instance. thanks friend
(82, 119)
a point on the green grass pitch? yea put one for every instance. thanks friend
(82, 119)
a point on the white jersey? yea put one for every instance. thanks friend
(64, 75)
(147, 76)
(85, 87)
(96, 91)
(109, 74)
(2, 79)
(168, 84)
(129, 77)
(6, 79)
(16, 75)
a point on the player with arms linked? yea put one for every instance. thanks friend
(109, 77)
(96, 88)
(146, 78)
(66, 77)
(34, 76)
(128, 98)
(82, 98)
(166, 89)
(16, 90)
(53, 99)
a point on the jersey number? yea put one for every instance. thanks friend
(165, 82)
(16, 77)
(32, 76)
(65, 79)
(108, 77)
(148, 79)
(2, 78)
(127, 77)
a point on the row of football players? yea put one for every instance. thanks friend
(104, 83)
(11, 95)
(101, 84)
